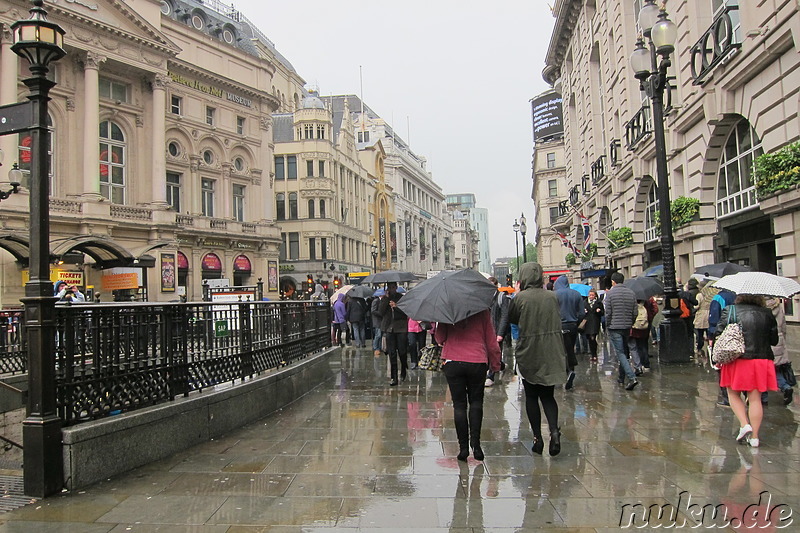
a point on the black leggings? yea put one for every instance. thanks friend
(592, 344)
(544, 394)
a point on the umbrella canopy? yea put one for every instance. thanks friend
(341, 290)
(388, 276)
(759, 283)
(379, 293)
(448, 297)
(717, 270)
(644, 287)
(581, 288)
(361, 291)
(654, 272)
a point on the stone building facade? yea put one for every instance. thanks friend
(726, 105)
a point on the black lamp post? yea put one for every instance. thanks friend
(14, 177)
(374, 249)
(650, 65)
(516, 242)
(40, 42)
(523, 228)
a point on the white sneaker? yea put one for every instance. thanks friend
(744, 433)
(488, 382)
(753, 443)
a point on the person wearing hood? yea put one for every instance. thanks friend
(540, 354)
(339, 319)
(319, 292)
(572, 311)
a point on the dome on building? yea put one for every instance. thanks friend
(312, 101)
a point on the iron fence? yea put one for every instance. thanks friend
(113, 358)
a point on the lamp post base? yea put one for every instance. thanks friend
(43, 474)
(675, 345)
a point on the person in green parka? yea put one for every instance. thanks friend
(540, 354)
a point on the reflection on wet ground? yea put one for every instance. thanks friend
(357, 455)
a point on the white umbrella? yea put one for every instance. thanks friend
(759, 283)
(342, 290)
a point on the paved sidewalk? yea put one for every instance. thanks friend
(357, 455)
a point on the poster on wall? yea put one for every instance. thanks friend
(167, 272)
(408, 237)
(393, 236)
(382, 237)
(272, 276)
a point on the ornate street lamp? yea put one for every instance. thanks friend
(516, 241)
(14, 178)
(374, 250)
(650, 61)
(40, 42)
(523, 228)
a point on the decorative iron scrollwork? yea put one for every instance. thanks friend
(562, 208)
(613, 152)
(716, 44)
(585, 184)
(598, 170)
(638, 128)
(573, 195)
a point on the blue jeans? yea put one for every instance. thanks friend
(619, 339)
(358, 333)
(376, 338)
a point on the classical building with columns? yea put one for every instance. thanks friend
(733, 96)
(161, 150)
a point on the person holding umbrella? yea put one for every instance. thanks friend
(394, 326)
(541, 357)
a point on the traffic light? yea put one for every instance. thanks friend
(509, 281)
(310, 280)
(335, 283)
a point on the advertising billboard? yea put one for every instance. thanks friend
(547, 116)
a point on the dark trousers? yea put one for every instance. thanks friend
(466, 388)
(534, 394)
(397, 346)
(592, 344)
(337, 331)
(416, 342)
(700, 338)
(569, 331)
(643, 348)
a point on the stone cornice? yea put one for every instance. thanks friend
(566, 19)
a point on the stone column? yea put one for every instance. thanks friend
(158, 131)
(8, 94)
(91, 125)
(266, 208)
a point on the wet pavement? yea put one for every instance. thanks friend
(358, 455)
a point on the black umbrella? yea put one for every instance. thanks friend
(644, 287)
(361, 291)
(449, 297)
(717, 270)
(388, 276)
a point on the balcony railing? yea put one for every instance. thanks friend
(717, 43)
(574, 195)
(598, 170)
(638, 128)
(613, 152)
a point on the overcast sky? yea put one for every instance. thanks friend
(452, 77)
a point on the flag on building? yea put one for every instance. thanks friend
(567, 243)
(587, 232)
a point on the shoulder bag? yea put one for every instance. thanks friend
(431, 358)
(729, 346)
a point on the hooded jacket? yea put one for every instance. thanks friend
(319, 292)
(540, 354)
(719, 302)
(570, 301)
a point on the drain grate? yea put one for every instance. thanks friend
(11, 494)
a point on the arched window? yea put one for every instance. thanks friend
(280, 206)
(311, 209)
(650, 214)
(293, 206)
(322, 209)
(736, 187)
(24, 155)
(112, 162)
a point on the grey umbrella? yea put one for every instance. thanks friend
(449, 297)
(644, 287)
(388, 276)
(717, 270)
(361, 291)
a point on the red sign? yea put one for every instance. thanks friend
(183, 262)
(241, 264)
(211, 262)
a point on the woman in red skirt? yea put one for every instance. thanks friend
(753, 372)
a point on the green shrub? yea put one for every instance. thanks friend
(683, 210)
(778, 170)
(570, 259)
(620, 238)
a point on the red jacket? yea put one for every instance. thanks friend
(473, 340)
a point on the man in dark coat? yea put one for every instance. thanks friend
(394, 325)
(621, 311)
(502, 328)
(570, 304)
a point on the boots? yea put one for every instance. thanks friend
(555, 442)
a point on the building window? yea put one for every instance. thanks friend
(363, 136)
(650, 214)
(309, 169)
(323, 245)
(279, 168)
(292, 170)
(240, 125)
(322, 169)
(719, 6)
(312, 248)
(210, 115)
(174, 191)
(294, 245)
(112, 162)
(552, 188)
(293, 206)
(280, 206)
(308, 130)
(238, 164)
(553, 215)
(113, 90)
(176, 105)
(238, 202)
(311, 209)
(174, 149)
(208, 157)
(207, 197)
(736, 188)
(551, 160)
(320, 132)
(322, 209)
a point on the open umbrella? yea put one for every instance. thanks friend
(448, 297)
(581, 288)
(341, 290)
(761, 283)
(361, 291)
(388, 276)
(717, 270)
(644, 287)
(654, 272)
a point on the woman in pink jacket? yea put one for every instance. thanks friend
(469, 349)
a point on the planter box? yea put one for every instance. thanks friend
(781, 201)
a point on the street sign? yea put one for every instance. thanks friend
(221, 328)
(16, 118)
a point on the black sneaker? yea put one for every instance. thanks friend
(570, 380)
(787, 395)
(632, 384)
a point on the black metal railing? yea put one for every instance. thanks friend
(598, 170)
(638, 128)
(613, 152)
(114, 358)
(13, 359)
(717, 43)
(574, 194)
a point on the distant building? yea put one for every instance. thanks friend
(479, 224)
